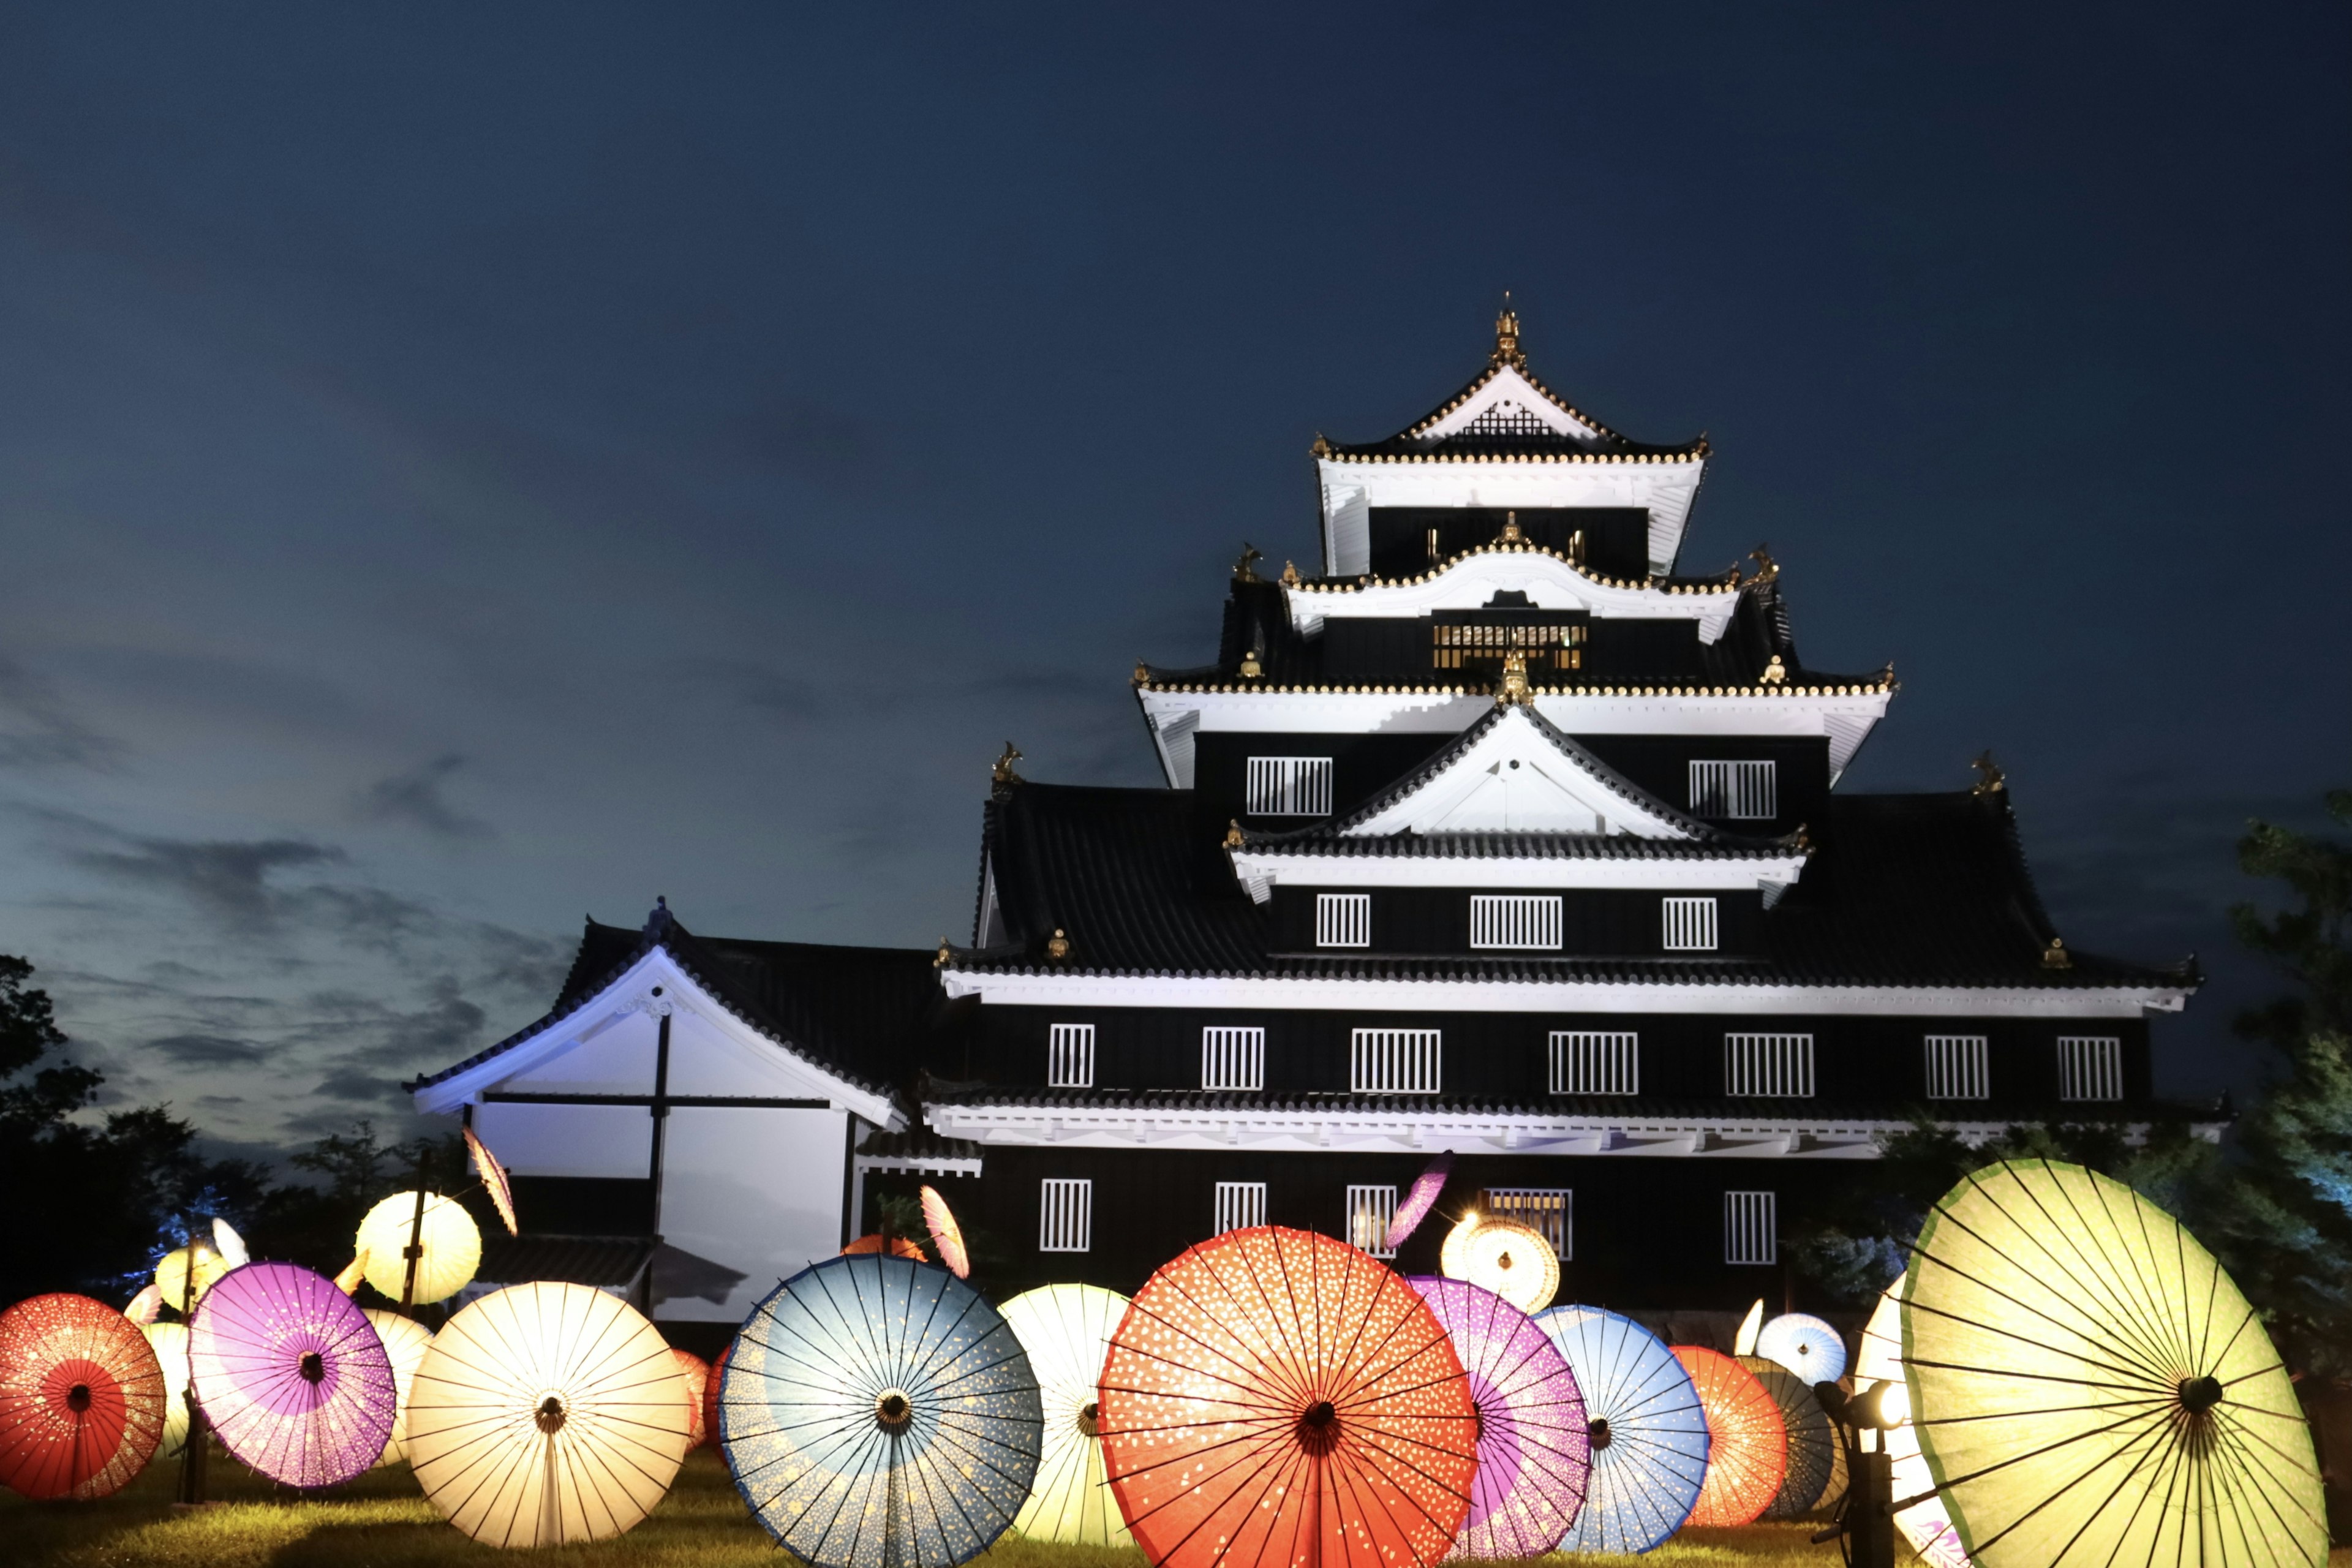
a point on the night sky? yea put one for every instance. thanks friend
(472, 467)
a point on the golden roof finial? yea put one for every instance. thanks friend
(1290, 573)
(1057, 946)
(1990, 778)
(1775, 673)
(941, 960)
(1001, 778)
(1511, 534)
(1251, 666)
(1507, 336)
(1142, 675)
(1766, 569)
(1245, 569)
(1514, 686)
(2055, 956)
(1233, 833)
(1322, 448)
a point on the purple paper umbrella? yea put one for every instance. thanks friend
(291, 1375)
(1534, 1450)
(1420, 1200)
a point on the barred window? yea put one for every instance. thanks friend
(1369, 1212)
(1585, 1062)
(2090, 1067)
(1240, 1205)
(1522, 920)
(1232, 1058)
(1343, 919)
(1070, 1057)
(1066, 1215)
(1549, 1211)
(1751, 1228)
(1395, 1061)
(1690, 925)
(1739, 790)
(1955, 1067)
(1769, 1066)
(1289, 786)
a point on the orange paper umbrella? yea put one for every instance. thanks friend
(696, 1373)
(495, 1181)
(1279, 1397)
(1747, 1442)
(899, 1247)
(82, 1399)
(711, 1396)
(946, 1236)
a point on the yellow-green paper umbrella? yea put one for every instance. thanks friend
(1067, 1330)
(2090, 1387)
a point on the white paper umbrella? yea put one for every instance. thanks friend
(1924, 1524)
(404, 1340)
(1067, 1330)
(169, 1341)
(449, 1248)
(1805, 1346)
(544, 1414)
(1648, 1430)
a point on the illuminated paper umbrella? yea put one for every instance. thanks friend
(946, 1236)
(1648, 1430)
(2089, 1386)
(695, 1372)
(877, 1412)
(82, 1398)
(1513, 1260)
(1275, 1396)
(404, 1341)
(170, 1343)
(1747, 1442)
(868, 1244)
(183, 1274)
(1426, 1187)
(291, 1375)
(1067, 1329)
(1805, 1346)
(495, 1182)
(710, 1394)
(1535, 1449)
(547, 1413)
(452, 1247)
(1926, 1524)
(1813, 1443)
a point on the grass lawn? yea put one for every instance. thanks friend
(380, 1521)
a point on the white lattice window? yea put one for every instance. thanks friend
(1066, 1215)
(1751, 1228)
(1520, 920)
(2090, 1067)
(1955, 1067)
(1369, 1212)
(1395, 1061)
(1549, 1211)
(1289, 786)
(1240, 1205)
(1343, 919)
(1232, 1058)
(1070, 1057)
(1689, 925)
(1589, 1062)
(1769, 1066)
(1734, 790)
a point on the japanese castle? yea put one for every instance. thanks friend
(1494, 831)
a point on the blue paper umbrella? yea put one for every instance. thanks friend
(1648, 1430)
(1805, 1346)
(879, 1413)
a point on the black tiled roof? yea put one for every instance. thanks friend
(571, 1259)
(916, 1143)
(1901, 890)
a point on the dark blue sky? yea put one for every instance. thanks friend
(464, 467)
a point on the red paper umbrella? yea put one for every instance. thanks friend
(899, 1247)
(1747, 1442)
(711, 1396)
(1274, 1396)
(946, 1236)
(82, 1400)
(1420, 1200)
(495, 1181)
(696, 1373)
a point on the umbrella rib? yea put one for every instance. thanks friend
(2233, 1445)
(2142, 1373)
(2122, 1348)
(2129, 1341)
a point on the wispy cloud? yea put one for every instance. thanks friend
(38, 731)
(225, 878)
(416, 799)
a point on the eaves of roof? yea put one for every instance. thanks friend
(1580, 1107)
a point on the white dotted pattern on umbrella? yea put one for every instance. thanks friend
(1805, 1346)
(1650, 1459)
(1067, 1330)
(877, 1412)
(404, 1340)
(544, 1414)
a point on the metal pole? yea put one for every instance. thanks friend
(190, 1490)
(415, 1249)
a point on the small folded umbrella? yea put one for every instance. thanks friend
(82, 1401)
(1747, 1442)
(404, 1342)
(1647, 1427)
(1420, 1200)
(229, 1244)
(1067, 1330)
(495, 1182)
(291, 1375)
(946, 1236)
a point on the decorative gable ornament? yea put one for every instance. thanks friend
(1518, 777)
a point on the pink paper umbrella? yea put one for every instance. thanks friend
(291, 1375)
(1420, 1200)
(1535, 1449)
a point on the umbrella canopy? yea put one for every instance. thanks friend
(877, 1412)
(183, 1274)
(1067, 1329)
(146, 1306)
(452, 1246)
(946, 1236)
(229, 1244)
(1535, 1449)
(870, 1244)
(1420, 1200)
(1743, 1343)
(1747, 1443)
(1805, 1346)
(404, 1341)
(1924, 1524)
(696, 1373)
(82, 1398)
(495, 1182)
(2090, 1386)
(170, 1343)
(291, 1375)
(1450, 1253)
(710, 1394)
(1648, 1430)
(1511, 1260)
(1813, 1444)
(544, 1414)
(1276, 1395)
